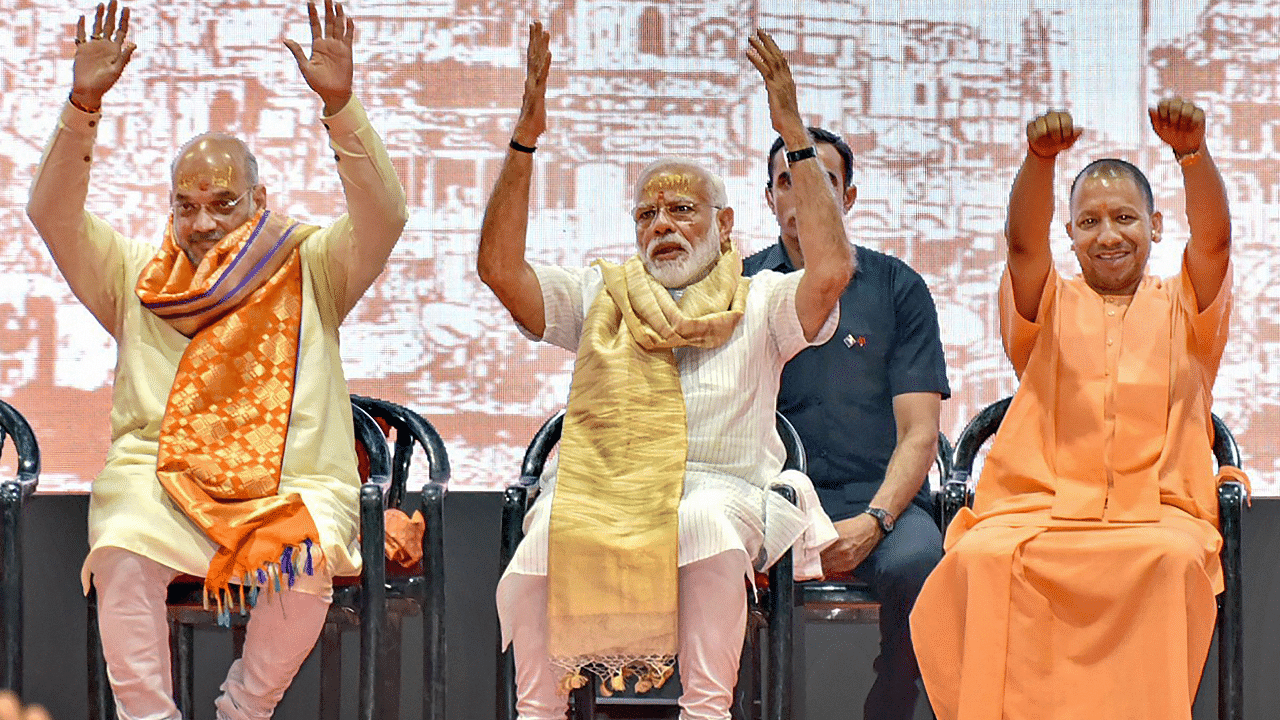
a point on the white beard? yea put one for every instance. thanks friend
(688, 268)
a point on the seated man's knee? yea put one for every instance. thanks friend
(118, 570)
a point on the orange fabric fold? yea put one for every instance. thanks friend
(223, 435)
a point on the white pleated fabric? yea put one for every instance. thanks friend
(730, 395)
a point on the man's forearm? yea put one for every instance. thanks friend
(828, 257)
(1208, 212)
(501, 261)
(908, 467)
(375, 199)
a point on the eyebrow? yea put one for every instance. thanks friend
(218, 195)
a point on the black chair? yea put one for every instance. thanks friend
(359, 601)
(769, 611)
(843, 598)
(411, 591)
(1231, 497)
(13, 495)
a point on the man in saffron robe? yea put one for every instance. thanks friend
(232, 455)
(637, 548)
(1082, 583)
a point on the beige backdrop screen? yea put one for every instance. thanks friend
(932, 98)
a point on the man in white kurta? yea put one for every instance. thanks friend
(727, 385)
(139, 540)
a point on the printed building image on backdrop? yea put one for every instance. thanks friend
(933, 100)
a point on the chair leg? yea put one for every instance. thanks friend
(330, 671)
(506, 685)
(183, 637)
(11, 586)
(1230, 606)
(389, 669)
(373, 597)
(582, 700)
(432, 604)
(102, 705)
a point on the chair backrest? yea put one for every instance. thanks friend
(535, 456)
(23, 439)
(370, 437)
(410, 428)
(985, 423)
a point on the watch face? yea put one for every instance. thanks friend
(883, 519)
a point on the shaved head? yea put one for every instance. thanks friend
(218, 157)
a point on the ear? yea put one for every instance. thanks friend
(768, 198)
(1157, 226)
(260, 195)
(1070, 231)
(850, 196)
(725, 216)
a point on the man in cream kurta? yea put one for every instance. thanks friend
(1082, 583)
(139, 539)
(696, 351)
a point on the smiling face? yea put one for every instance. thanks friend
(214, 192)
(1111, 231)
(679, 230)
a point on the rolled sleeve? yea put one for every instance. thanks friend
(566, 294)
(784, 321)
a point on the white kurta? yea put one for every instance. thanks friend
(730, 396)
(128, 508)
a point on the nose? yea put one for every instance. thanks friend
(1108, 234)
(662, 222)
(203, 221)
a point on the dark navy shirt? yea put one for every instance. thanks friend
(840, 395)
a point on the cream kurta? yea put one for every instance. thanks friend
(128, 508)
(730, 394)
(1082, 584)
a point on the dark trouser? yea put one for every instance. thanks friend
(896, 570)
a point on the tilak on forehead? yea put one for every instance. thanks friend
(206, 166)
(683, 181)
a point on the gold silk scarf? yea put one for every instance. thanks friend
(612, 559)
(223, 435)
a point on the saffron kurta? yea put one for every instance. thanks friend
(1082, 583)
(128, 508)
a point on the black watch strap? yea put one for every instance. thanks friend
(883, 518)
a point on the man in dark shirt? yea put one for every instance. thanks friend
(866, 405)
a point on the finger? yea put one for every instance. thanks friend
(313, 18)
(769, 43)
(1163, 109)
(1154, 114)
(329, 28)
(80, 30)
(758, 62)
(1197, 120)
(298, 54)
(127, 54)
(36, 712)
(97, 20)
(351, 32)
(1053, 127)
(9, 705)
(123, 31)
(339, 22)
(109, 22)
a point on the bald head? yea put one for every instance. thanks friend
(216, 158)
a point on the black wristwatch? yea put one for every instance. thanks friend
(883, 518)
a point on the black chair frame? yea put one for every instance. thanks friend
(13, 496)
(186, 609)
(1231, 499)
(769, 610)
(846, 599)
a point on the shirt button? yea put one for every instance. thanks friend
(1111, 312)
(92, 123)
(1110, 341)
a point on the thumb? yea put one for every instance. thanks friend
(1154, 115)
(127, 54)
(297, 52)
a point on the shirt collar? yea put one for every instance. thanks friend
(775, 258)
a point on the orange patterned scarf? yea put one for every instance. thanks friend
(223, 434)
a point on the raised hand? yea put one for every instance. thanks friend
(100, 57)
(328, 70)
(1179, 123)
(1051, 133)
(784, 109)
(11, 709)
(533, 109)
